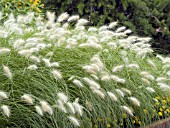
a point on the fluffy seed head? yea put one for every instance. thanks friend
(99, 93)
(71, 107)
(32, 67)
(62, 97)
(73, 18)
(135, 101)
(63, 17)
(27, 98)
(151, 90)
(4, 51)
(7, 72)
(6, 110)
(112, 96)
(57, 75)
(46, 107)
(74, 121)
(39, 110)
(127, 110)
(78, 83)
(78, 108)
(3, 95)
(117, 68)
(120, 92)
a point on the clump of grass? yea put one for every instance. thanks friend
(60, 73)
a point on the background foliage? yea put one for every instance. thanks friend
(145, 17)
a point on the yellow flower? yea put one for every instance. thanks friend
(108, 125)
(31, 0)
(163, 107)
(164, 101)
(140, 122)
(160, 109)
(160, 113)
(165, 112)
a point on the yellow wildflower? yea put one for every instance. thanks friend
(160, 109)
(108, 125)
(160, 113)
(164, 101)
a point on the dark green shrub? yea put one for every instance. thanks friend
(144, 17)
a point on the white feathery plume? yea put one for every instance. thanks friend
(55, 64)
(27, 98)
(112, 45)
(92, 83)
(71, 107)
(32, 67)
(78, 83)
(112, 24)
(39, 110)
(89, 105)
(135, 101)
(50, 16)
(73, 18)
(128, 31)
(35, 59)
(46, 107)
(144, 39)
(151, 63)
(127, 110)
(120, 92)
(151, 90)
(6, 110)
(4, 51)
(112, 96)
(105, 77)
(145, 81)
(117, 68)
(160, 57)
(82, 22)
(47, 62)
(163, 86)
(133, 66)
(103, 28)
(74, 121)
(62, 97)
(61, 106)
(78, 108)
(117, 79)
(120, 29)
(92, 29)
(160, 79)
(25, 53)
(99, 93)
(57, 74)
(94, 76)
(3, 95)
(127, 91)
(7, 72)
(63, 17)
